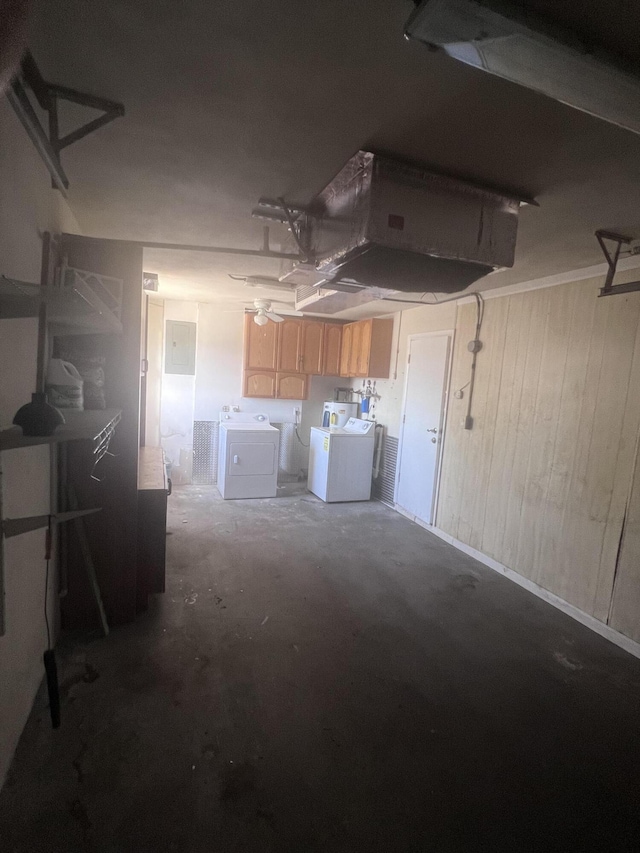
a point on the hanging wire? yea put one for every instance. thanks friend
(298, 437)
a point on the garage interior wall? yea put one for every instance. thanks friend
(542, 483)
(413, 321)
(28, 206)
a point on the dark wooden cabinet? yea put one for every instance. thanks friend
(153, 490)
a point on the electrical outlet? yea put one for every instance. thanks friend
(468, 422)
(296, 414)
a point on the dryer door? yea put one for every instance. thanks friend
(245, 458)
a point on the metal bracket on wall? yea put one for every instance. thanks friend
(612, 258)
(50, 144)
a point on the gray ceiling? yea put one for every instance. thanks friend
(227, 101)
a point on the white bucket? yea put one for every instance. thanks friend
(64, 385)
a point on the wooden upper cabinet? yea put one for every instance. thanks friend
(380, 348)
(345, 351)
(312, 347)
(332, 347)
(291, 386)
(366, 349)
(260, 345)
(355, 356)
(363, 354)
(289, 345)
(259, 383)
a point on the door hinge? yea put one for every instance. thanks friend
(409, 359)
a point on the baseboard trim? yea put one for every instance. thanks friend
(591, 622)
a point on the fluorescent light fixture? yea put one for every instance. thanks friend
(500, 37)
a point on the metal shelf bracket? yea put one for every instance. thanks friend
(50, 144)
(612, 257)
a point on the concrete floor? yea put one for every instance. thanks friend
(331, 678)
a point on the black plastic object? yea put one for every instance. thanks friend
(38, 417)
(52, 687)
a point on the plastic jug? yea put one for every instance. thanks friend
(64, 385)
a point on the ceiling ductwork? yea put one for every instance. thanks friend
(513, 42)
(385, 224)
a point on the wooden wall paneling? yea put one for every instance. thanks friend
(496, 337)
(456, 438)
(485, 398)
(613, 582)
(506, 428)
(606, 443)
(544, 425)
(537, 304)
(553, 551)
(625, 603)
(569, 575)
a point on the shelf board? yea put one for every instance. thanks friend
(88, 426)
(72, 310)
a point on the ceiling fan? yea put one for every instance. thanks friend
(263, 313)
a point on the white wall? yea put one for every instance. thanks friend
(28, 206)
(431, 318)
(177, 403)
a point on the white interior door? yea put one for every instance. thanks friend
(422, 423)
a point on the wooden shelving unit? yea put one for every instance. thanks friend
(96, 426)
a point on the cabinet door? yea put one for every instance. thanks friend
(259, 383)
(290, 345)
(312, 347)
(260, 345)
(355, 356)
(332, 349)
(291, 386)
(364, 348)
(345, 352)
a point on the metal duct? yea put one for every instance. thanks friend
(385, 224)
(504, 39)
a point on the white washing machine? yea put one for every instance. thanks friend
(247, 456)
(341, 461)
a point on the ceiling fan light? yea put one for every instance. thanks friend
(260, 319)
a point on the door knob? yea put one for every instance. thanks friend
(434, 441)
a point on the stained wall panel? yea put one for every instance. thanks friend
(542, 481)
